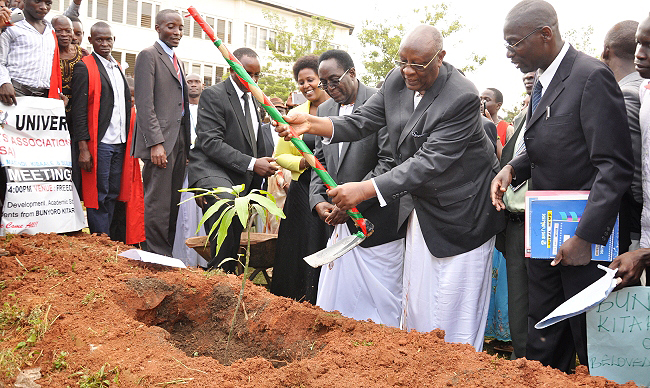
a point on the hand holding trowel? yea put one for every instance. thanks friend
(341, 247)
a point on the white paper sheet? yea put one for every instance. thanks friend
(148, 257)
(584, 300)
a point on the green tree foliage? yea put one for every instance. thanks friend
(381, 40)
(312, 36)
(581, 39)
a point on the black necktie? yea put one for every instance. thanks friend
(249, 122)
(537, 95)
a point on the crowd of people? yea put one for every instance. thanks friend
(425, 157)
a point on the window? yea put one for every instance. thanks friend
(147, 15)
(210, 22)
(130, 60)
(90, 8)
(118, 11)
(261, 44)
(197, 31)
(56, 5)
(218, 76)
(132, 12)
(117, 55)
(229, 32)
(102, 9)
(272, 37)
(252, 36)
(187, 23)
(207, 75)
(66, 4)
(196, 68)
(221, 30)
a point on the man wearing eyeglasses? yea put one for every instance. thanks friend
(576, 138)
(365, 283)
(445, 164)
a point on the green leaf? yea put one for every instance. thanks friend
(227, 259)
(268, 204)
(260, 210)
(211, 210)
(216, 224)
(239, 188)
(223, 227)
(241, 207)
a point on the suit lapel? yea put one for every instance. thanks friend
(426, 100)
(555, 87)
(239, 112)
(406, 111)
(167, 61)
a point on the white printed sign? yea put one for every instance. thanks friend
(618, 336)
(35, 154)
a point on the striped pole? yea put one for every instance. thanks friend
(255, 90)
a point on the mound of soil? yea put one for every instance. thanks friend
(146, 325)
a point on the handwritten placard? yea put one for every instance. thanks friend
(618, 336)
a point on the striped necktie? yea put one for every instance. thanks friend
(537, 96)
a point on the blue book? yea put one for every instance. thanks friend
(552, 218)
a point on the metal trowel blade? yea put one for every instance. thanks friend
(334, 251)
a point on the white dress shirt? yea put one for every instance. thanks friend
(26, 55)
(344, 110)
(546, 76)
(194, 111)
(251, 107)
(116, 131)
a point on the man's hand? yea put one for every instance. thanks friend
(264, 167)
(85, 159)
(630, 267)
(5, 17)
(64, 98)
(323, 209)
(200, 201)
(7, 94)
(337, 216)
(298, 121)
(574, 251)
(500, 185)
(159, 156)
(348, 195)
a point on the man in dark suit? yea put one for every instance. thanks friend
(445, 163)
(230, 149)
(162, 132)
(100, 132)
(365, 283)
(577, 138)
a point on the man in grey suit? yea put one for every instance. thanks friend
(230, 149)
(367, 282)
(618, 55)
(162, 132)
(445, 163)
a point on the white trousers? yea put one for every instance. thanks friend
(365, 283)
(450, 293)
(189, 215)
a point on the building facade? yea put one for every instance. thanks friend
(238, 23)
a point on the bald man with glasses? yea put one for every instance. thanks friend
(445, 163)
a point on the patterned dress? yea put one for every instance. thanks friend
(67, 66)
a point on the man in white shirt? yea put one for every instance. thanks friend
(27, 51)
(101, 132)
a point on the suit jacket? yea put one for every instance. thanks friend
(578, 139)
(490, 131)
(508, 151)
(79, 102)
(445, 161)
(359, 160)
(157, 99)
(223, 147)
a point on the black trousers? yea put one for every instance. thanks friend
(548, 287)
(517, 271)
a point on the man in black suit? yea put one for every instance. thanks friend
(162, 132)
(100, 132)
(230, 149)
(365, 283)
(445, 163)
(577, 138)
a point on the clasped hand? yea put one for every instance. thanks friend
(298, 121)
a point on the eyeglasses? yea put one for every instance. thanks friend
(416, 66)
(332, 84)
(512, 47)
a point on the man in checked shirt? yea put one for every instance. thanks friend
(22, 73)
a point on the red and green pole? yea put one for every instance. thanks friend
(255, 90)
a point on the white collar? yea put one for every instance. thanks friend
(106, 62)
(546, 76)
(167, 49)
(240, 92)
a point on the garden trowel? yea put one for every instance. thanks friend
(339, 248)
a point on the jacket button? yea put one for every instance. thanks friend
(532, 165)
(180, 103)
